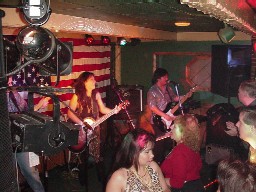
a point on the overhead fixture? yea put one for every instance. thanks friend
(182, 24)
(105, 40)
(121, 41)
(135, 41)
(226, 34)
(38, 45)
(36, 12)
(89, 40)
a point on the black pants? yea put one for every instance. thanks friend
(191, 186)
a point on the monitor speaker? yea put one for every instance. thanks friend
(132, 93)
(231, 65)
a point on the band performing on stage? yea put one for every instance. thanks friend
(103, 114)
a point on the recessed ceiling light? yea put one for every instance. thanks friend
(182, 24)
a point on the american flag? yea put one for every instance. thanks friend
(94, 58)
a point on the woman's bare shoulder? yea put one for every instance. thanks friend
(117, 181)
(120, 174)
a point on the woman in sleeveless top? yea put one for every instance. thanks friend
(87, 102)
(134, 169)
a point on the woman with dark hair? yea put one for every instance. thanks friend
(134, 169)
(87, 103)
(236, 176)
(182, 167)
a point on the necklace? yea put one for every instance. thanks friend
(89, 104)
(145, 181)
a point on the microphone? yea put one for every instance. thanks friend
(173, 82)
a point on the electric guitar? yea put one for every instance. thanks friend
(160, 122)
(86, 133)
(166, 135)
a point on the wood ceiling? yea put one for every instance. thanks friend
(160, 14)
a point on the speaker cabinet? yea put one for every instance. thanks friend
(132, 93)
(231, 64)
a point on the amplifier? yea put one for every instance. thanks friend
(132, 93)
(36, 132)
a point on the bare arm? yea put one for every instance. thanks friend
(73, 105)
(117, 181)
(103, 109)
(42, 103)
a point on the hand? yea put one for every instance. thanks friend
(169, 117)
(232, 129)
(43, 103)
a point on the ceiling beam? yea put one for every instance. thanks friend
(67, 23)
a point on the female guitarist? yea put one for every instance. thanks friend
(87, 102)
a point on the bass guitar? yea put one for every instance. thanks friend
(86, 133)
(160, 122)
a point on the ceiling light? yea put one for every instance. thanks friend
(89, 40)
(226, 34)
(36, 12)
(135, 41)
(182, 24)
(105, 40)
(38, 45)
(121, 41)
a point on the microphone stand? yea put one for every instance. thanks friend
(178, 94)
(126, 111)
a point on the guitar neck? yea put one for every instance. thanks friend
(103, 118)
(175, 108)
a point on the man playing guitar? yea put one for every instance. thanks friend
(158, 97)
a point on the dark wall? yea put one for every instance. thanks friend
(137, 63)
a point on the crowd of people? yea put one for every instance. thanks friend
(143, 164)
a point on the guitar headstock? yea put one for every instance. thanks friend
(122, 105)
(194, 88)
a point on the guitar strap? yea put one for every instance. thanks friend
(168, 93)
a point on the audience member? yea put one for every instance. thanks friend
(134, 169)
(236, 176)
(247, 130)
(247, 96)
(182, 166)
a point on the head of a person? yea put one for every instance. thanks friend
(135, 150)
(84, 82)
(159, 74)
(236, 176)
(186, 131)
(247, 124)
(247, 92)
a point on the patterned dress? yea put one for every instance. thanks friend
(135, 184)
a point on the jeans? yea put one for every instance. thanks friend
(30, 173)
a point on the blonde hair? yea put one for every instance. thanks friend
(189, 128)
